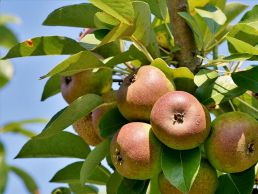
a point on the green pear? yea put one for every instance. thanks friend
(180, 121)
(135, 152)
(233, 144)
(140, 90)
(89, 81)
(88, 126)
(206, 182)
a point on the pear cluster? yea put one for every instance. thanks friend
(158, 115)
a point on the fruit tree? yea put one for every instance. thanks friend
(155, 106)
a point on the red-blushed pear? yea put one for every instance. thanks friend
(135, 152)
(140, 90)
(206, 182)
(233, 144)
(89, 81)
(88, 127)
(180, 121)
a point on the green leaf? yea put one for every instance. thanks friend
(18, 127)
(71, 174)
(93, 160)
(181, 167)
(184, 79)
(83, 189)
(45, 45)
(6, 18)
(113, 183)
(251, 17)
(232, 10)
(237, 183)
(52, 87)
(80, 15)
(241, 46)
(76, 63)
(105, 21)
(154, 185)
(204, 75)
(7, 38)
(133, 186)
(3, 169)
(121, 10)
(82, 106)
(247, 79)
(6, 72)
(28, 181)
(163, 66)
(213, 16)
(142, 22)
(122, 30)
(61, 190)
(195, 27)
(158, 8)
(63, 144)
(131, 54)
(111, 122)
(217, 90)
(246, 103)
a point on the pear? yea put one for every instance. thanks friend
(140, 90)
(88, 81)
(233, 144)
(206, 181)
(180, 121)
(88, 126)
(135, 152)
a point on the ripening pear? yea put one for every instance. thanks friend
(233, 144)
(140, 90)
(180, 121)
(135, 152)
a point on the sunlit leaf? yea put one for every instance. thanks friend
(63, 144)
(45, 45)
(121, 10)
(82, 106)
(80, 15)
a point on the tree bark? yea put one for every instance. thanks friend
(183, 36)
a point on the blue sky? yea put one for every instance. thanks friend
(20, 99)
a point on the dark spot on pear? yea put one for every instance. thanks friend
(118, 157)
(67, 79)
(250, 148)
(178, 118)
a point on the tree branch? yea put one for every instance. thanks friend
(187, 55)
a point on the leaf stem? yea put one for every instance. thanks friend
(232, 105)
(142, 48)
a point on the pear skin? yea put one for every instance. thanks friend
(233, 143)
(180, 121)
(85, 82)
(140, 90)
(135, 152)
